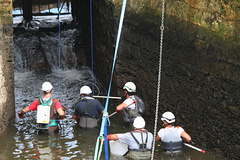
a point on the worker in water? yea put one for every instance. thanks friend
(171, 136)
(129, 108)
(49, 110)
(88, 109)
(139, 140)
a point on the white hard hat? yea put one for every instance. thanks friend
(130, 87)
(47, 87)
(139, 122)
(85, 90)
(168, 117)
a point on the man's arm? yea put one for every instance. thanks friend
(23, 111)
(121, 106)
(158, 138)
(102, 112)
(60, 111)
(112, 137)
(74, 117)
(59, 108)
(100, 108)
(186, 136)
(76, 113)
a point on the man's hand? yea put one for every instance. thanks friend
(118, 111)
(109, 137)
(20, 114)
(64, 108)
(184, 140)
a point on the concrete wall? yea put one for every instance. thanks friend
(7, 101)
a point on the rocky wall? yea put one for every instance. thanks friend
(200, 65)
(103, 35)
(7, 101)
(200, 69)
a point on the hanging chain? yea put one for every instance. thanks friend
(159, 80)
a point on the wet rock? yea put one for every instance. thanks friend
(38, 61)
(42, 68)
(236, 150)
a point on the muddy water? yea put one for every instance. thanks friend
(22, 141)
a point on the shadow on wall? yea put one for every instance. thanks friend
(199, 78)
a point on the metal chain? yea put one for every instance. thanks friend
(159, 80)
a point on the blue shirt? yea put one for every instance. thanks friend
(95, 107)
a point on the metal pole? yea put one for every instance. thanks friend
(106, 97)
(198, 149)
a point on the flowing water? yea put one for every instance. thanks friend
(22, 141)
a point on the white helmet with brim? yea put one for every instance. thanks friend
(139, 122)
(130, 87)
(47, 87)
(168, 117)
(85, 90)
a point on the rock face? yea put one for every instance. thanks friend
(7, 101)
(103, 35)
(200, 78)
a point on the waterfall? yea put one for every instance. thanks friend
(37, 48)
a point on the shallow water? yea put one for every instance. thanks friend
(22, 141)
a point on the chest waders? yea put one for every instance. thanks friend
(86, 120)
(172, 142)
(130, 114)
(172, 146)
(46, 114)
(142, 152)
